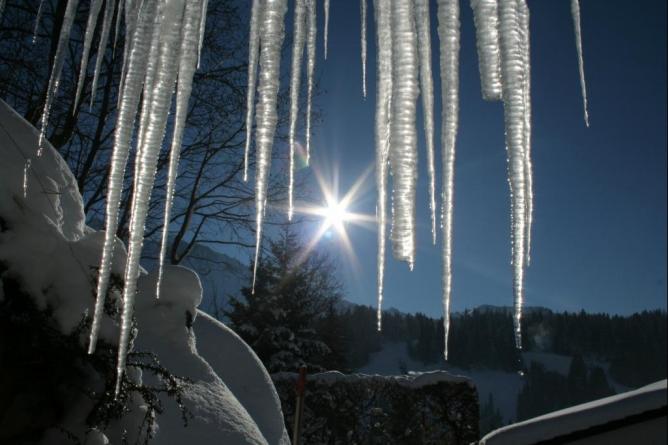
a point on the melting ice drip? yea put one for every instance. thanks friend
(164, 39)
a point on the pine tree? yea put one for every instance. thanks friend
(293, 303)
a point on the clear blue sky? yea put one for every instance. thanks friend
(599, 240)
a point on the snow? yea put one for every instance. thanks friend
(412, 380)
(581, 417)
(247, 379)
(53, 194)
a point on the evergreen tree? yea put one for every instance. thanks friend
(290, 319)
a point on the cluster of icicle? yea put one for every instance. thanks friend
(404, 56)
(163, 38)
(163, 42)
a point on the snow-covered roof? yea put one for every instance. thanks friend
(647, 399)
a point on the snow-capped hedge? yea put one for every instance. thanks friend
(431, 407)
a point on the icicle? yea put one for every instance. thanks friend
(448, 32)
(427, 83)
(170, 36)
(187, 63)
(528, 168)
(136, 70)
(38, 19)
(575, 12)
(253, 49)
(102, 47)
(403, 138)
(311, 33)
(202, 28)
(363, 44)
(95, 6)
(513, 73)
(117, 26)
(485, 17)
(383, 15)
(26, 171)
(56, 69)
(326, 30)
(295, 76)
(272, 32)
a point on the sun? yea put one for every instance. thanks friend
(335, 215)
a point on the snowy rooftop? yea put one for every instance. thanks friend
(648, 399)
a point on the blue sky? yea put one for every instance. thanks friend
(599, 240)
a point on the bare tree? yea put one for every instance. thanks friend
(212, 203)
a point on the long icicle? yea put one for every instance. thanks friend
(575, 12)
(187, 63)
(298, 39)
(427, 83)
(363, 43)
(486, 19)
(528, 168)
(449, 35)
(512, 70)
(403, 137)
(325, 31)
(253, 50)
(311, 34)
(270, 61)
(56, 69)
(202, 28)
(117, 26)
(38, 19)
(170, 36)
(383, 16)
(130, 94)
(102, 47)
(91, 24)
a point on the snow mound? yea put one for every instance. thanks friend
(247, 379)
(232, 403)
(52, 193)
(582, 417)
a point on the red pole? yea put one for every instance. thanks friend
(299, 405)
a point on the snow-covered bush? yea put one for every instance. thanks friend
(51, 390)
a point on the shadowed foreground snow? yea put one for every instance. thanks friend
(48, 249)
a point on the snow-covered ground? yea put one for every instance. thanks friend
(46, 247)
